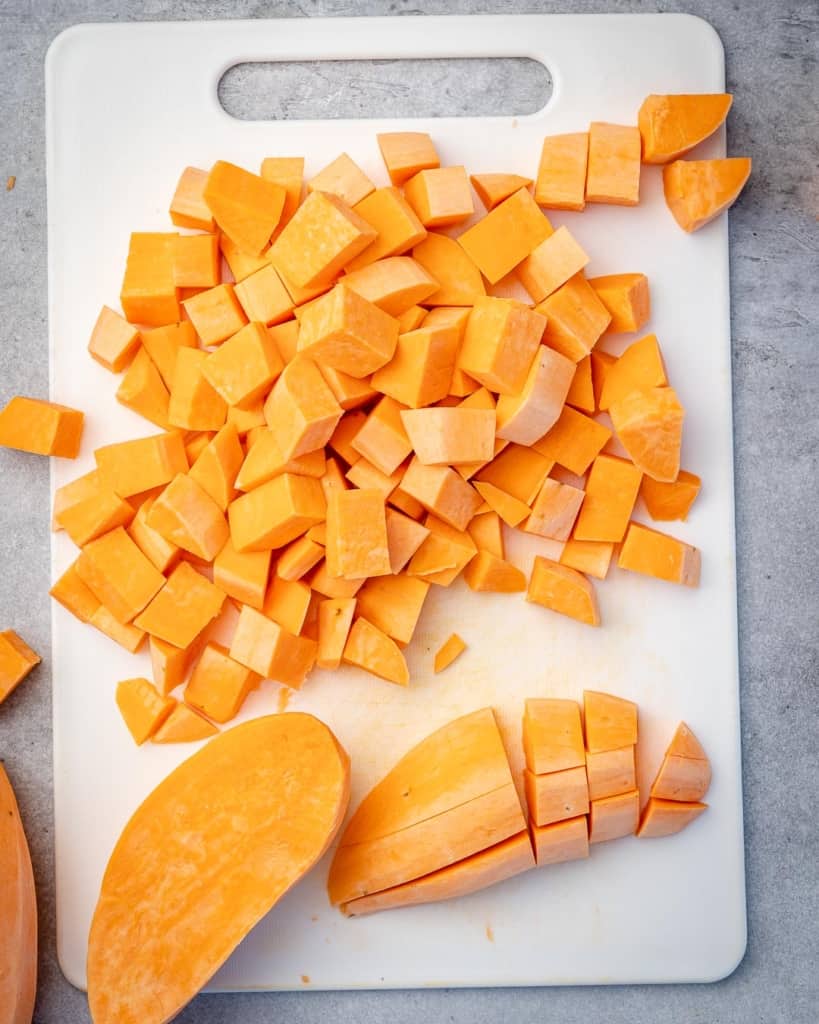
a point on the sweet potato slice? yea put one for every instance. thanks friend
(164, 923)
(561, 841)
(495, 864)
(697, 191)
(671, 125)
(667, 817)
(18, 914)
(685, 773)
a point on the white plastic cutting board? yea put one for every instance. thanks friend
(128, 106)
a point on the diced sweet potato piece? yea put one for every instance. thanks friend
(488, 572)
(554, 510)
(276, 513)
(551, 264)
(183, 607)
(656, 554)
(246, 206)
(131, 467)
(335, 620)
(184, 725)
(601, 364)
(563, 590)
(287, 171)
(667, 501)
(197, 261)
(561, 841)
(196, 443)
(263, 297)
(246, 420)
(406, 153)
(451, 649)
(518, 471)
(404, 537)
(363, 475)
(17, 659)
(443, 555)
(557, 795)
(301, 410)
(170, 664)
(394, 285)
(185, 514)
(333, 586)
(527, 416)
(342, 437)
(459, 279)
(188, 207)
(682, 778)
(487, 532)
(348, 332)
(395, 222)
(382, 439)
(581, 389)
(510, 509)
(575, 318)
(218, 685)
(414, 316)
(610, 722)
(626, 297)
(440, 196)
(350, 392)
(142, 707)
(611, 491)
(149, 295)
(72, 494)
(298, 558)
(215, 314)
(357, 535)
(500, 342)
(241, 263)
(639, 368)
(685, 744)
(163, 343)
(94, 513)
(393, 604)
(611, 772)
(592, 557)
(450, 436)
(242, 574)
(649, 426)
(671, 125)
(488, 867)
(119, 574)
(561, 176)
(74, 595)
(406, 504)
(420, 371)
(127, 635)
(343, 178)
(667, 817)
(288, 603)
(441, 491)
(697, 191)
(322, 237)
(40, 427)
(614, 817)
(552, 735)
(574, 441)
(272, 652)
(216, 467)
(613, 174)
(492, 189)
(265, 460)
(370, 648)
(194, 405)
(503, 238)
(113, 341)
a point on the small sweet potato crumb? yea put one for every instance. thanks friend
(11, 182)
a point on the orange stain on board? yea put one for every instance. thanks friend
(490, 933)
(305, 978)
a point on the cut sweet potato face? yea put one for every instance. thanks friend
(670, 125)
(18, 914)
(697, 191)
(164, 924)
(667, 817)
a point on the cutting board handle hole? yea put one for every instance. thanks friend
(416, 88)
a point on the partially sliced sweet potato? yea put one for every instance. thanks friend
(165, 922)
(18, 914)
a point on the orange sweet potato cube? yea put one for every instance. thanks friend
(144, 392)
(16, 661)
(197, 261)
(246, 206)
(492, 189)
(581, 390)
(131, 467)
(447, 437)
(343, 178)
(611, 772)
(441, 491)
(444, 554)
(322, 237)
(404, 537)
(613, 174)
(667, 817)
(287, 171)
(370, 648)
(264, 460)
(73, 594)
(242, 574)
(393, 604)
(554, 510)
(407, 153)
(626, 297)
(563, 590)
(263, 297)
(347, 332)
(505, 237)
(488, 572)
(143, 707)
(459, 279)
(186, 515)
(270, 651)
(357, 534)
(169, 664)
(382, 439)
(574, 441)
(527, 416)
(394, 284)
(519, 471)
(119, 574)
(163, 553)
(40, 427)
(667, 501)
(188, 207)
(500, 342)
(301, 410)
(298, 558)
(215, 314)
(335, 620)
(639, 368)
(95, 510)
(562, 841)
(592, 557)
(183, 607)
(194, 405)
(551, 264)
(276, 513)
(217, 465)
(575, 318)
(552, 735)
(440, 196)
(163, 343)
(218, 685)
(614, 817)
(656, 554)
(556, 796)
(649, 426)
(365, 476)
(241, 263)
(510, 509)
(610, 722)
(113, 341)
(611, 491)
(395, 222)
(561, 176)
(149, 295)
(288, 603)
(420, 371)
(244, 368)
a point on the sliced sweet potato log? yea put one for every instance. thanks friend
(671, 125)
(18, 914)
(495, 864)
(189, 877)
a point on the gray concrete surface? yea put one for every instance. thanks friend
(771, 48)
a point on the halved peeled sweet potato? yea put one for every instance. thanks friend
(204, 859)
(18, 914)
